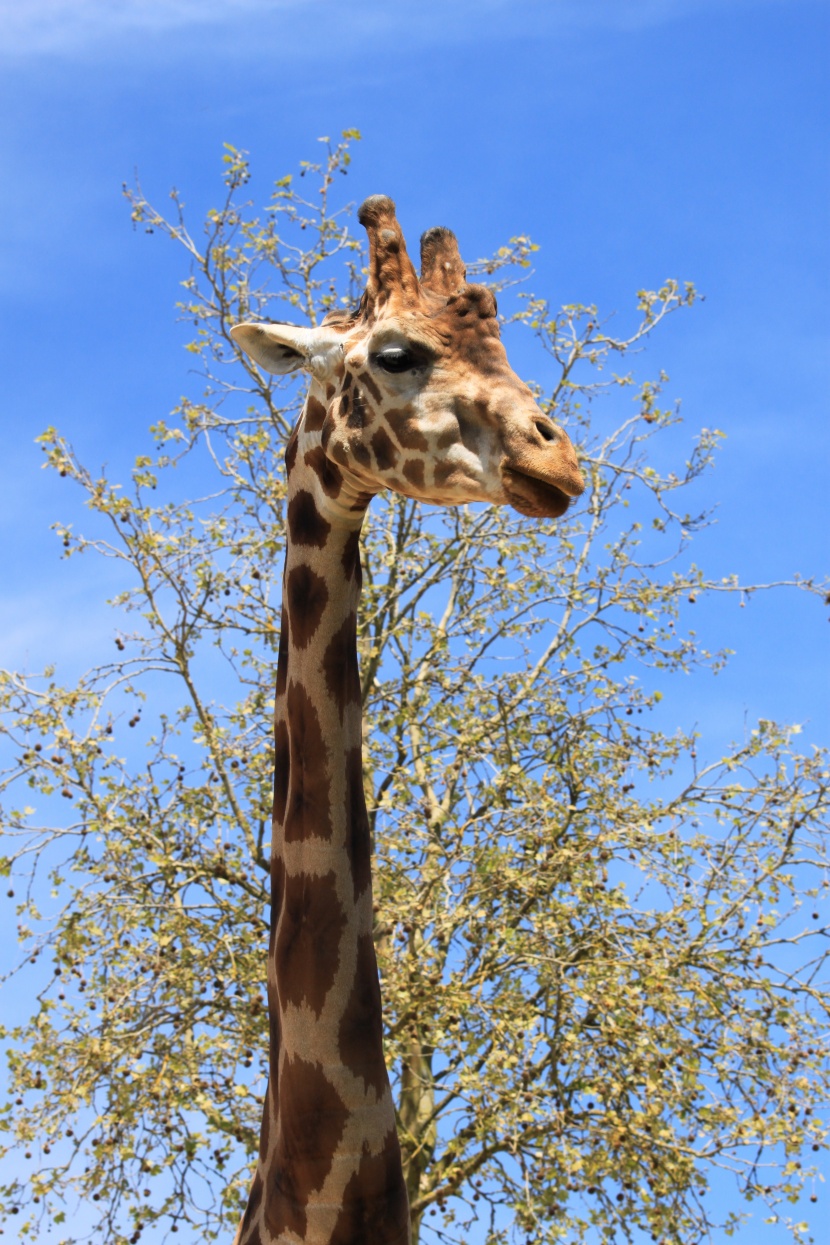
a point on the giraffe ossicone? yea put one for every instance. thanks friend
(411, 392)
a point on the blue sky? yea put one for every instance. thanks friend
(633, 139)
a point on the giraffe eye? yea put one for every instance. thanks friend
(395, 359)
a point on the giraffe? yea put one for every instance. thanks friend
(412, 392)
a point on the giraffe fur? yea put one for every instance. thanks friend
(412, 392)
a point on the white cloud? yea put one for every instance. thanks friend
(30, 27)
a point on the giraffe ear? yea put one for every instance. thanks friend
(284, 348)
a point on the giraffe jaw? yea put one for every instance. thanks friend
(538, 499)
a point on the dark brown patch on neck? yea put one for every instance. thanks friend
(315, 414)
(330, 476)
(307, 597)
(254, 1199)
(312, 1118)
(351, 557)
(307, 953)
(358, 841)
(361, 1028)
(308, 805)
(340, 666)
(305, 523)
(291, 449)
(282, 658)
(375, 1207)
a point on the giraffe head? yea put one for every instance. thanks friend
(413, 391)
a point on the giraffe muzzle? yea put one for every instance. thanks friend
(535, 497)
(542, 482)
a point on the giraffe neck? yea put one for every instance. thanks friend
(330, 1166)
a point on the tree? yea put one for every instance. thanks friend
(601, 981)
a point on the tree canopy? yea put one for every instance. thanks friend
(601, 944)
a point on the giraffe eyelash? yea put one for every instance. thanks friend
(395, 359)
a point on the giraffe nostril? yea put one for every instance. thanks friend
(545, 429)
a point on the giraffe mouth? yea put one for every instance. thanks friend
(534, 497)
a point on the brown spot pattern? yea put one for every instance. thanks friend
(265, 1127)
(282, 657)
(254, 1199)
(307, 597)
(307, 951)
(340, 666)
(369, 385)
(358, 844)
(305, 523)
(313, 1117)
(413, 471)
(308, 807)
(374, 1202)
(351, 556)
(361, 1027)
(406, 430)
(442, 473)
(308, 920)
(291, 450)
(386, 455)
(315, 414)
(330, 476)
(337, 450)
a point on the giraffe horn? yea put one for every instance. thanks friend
(442, 268)
(391, 273)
